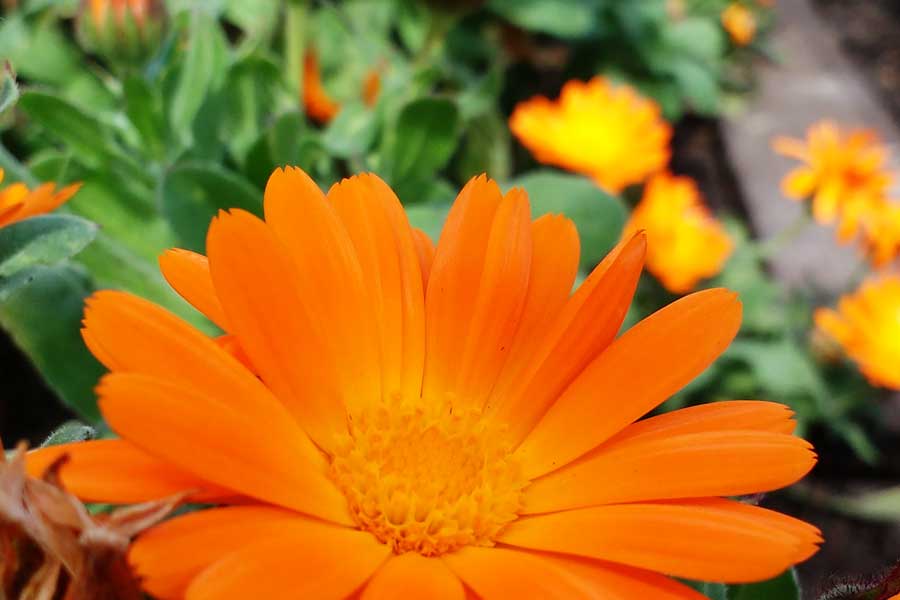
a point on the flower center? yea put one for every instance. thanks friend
(428, 479)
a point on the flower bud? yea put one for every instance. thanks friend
(121, 30)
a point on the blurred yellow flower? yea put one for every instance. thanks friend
(685, 243)
(606, 131)
(867, 326)
(17, 202)
(739, 22)
(843, 172)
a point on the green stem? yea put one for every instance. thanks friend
(15, 170)
(775, 244)
(295, 44)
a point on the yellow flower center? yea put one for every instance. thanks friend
(428, 478)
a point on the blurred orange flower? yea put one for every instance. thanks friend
(685, 243)
(606, 131)
(318, 103)
(17, 202)
(867, 326)
(402, 437)
(844, 173)
(740, 23)
(879, 226)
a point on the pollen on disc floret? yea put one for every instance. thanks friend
(428, 477)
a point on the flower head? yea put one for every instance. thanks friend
(318, 103)
(398, 434)
(740, 23)
(121, 29)
(17, 202)
(606, 131)
(685, 243)
(867, 325)
(843, 172)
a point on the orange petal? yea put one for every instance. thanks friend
(261, 459)
(10, 214)
(330, 282)
(260, 291)
(650, 362)
(412, 575)
(306, 560)
(392, 276)
(499, 573)
(586, 325)
(499, 300)
(799, 183)
(117, 472)
(425, 250)
(188, 274)
(746, 415)
(554, 266)
(619, 582)
(693, 465)
(709, 540)
(507, 573)
(172, 350)
(476, 290)
(170, 555)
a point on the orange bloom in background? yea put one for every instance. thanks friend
(416, 436)
(17, 202)
(844, 172)
(880, 232)
(740, 23)
(685, 243)
(867, 326)
(318, 104)
(606, 131)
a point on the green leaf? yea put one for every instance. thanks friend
(128, 215)
(68, 432)
(598, 216)
(54, 344)
(424, 139)
(428, 217)
(38, 48)
(84, 134)
(193, 193)
(42, 240)
(113, 265)
(713, 591)
(879, 505)
(783, 587)
(351, 133)
(9, 91)
(486, 149)
(697, 37)
(562, 18)
(144, 108)
(250, 91)
(201, 73)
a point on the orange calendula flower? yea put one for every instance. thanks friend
(740, 23)
(685, 241)
(843, 172)
(867, 326)
(318, 103)
(409, 436)
(17, 202)
(880, 232)
(606, 131)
